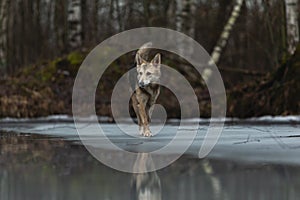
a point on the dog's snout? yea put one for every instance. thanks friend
(142, 84)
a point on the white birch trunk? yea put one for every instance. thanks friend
(215, 56)
(178, 15)
(185, 23)
(292, 28)
(74, 21)
(3, 31)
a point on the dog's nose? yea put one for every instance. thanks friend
(142, 84)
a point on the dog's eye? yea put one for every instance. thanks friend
(141, 73)
(148, 73)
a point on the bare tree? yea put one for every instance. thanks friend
(128, 10)
(215, 56)
(185, 21)
(75, 26)
(119, 14)
(13, 27)
(3, 31)
(34, 30)
(292, 29)
(60, 24)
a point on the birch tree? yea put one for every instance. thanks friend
(216, 54)
(3, 31)
(60, 24)
(185, 23)
(13, 27)
(75, 26)
(292, 29)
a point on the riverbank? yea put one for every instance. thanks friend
(252, 143)
(46, 89)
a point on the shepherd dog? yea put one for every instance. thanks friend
(145, 87)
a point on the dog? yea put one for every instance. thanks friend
(145, 87)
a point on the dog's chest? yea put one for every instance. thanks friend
(152, 90)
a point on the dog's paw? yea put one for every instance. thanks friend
(141, 131)
(147, 133)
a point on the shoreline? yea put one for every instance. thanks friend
(278, 144)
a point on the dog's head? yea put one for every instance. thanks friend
(148, 72)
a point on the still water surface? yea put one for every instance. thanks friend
(40, 167)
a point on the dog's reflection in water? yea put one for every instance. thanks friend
(145, 186)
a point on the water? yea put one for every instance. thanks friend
(45, 160)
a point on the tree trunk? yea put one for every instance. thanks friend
(292, 29)
(178, 15)
(119, 15)
(185, 21)
(3, 33)
(128, 14)
(95, 18)
(75, 27)
(215, 56)
(60, 25)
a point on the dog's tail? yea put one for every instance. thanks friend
(144, 50)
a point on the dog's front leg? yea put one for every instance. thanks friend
(135, 105)
(150, 106)
(144, 117)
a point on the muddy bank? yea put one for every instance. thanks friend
(277, 94)
(46, 89)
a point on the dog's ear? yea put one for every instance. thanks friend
(156, 60)
(139, 60)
